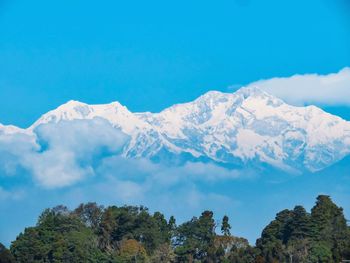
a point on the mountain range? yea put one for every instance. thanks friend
(247, 127)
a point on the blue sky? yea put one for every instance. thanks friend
(149, 55)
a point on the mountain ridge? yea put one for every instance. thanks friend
(228, 128)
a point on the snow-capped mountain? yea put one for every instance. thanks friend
(248, 126)
(10, 129)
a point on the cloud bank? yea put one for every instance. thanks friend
(79, 161)
(58, 155)
(62, 154)
(331, 89)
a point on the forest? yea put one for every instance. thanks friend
(93, 233)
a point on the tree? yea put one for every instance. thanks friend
(164, 253)
(225, 226)
(299, 226)
(298, 250)
(90, 214)
(5, 255)
(321, 253)
(165, 231)
(195, 239)
(297, 243)
(129, 234)
(172, 224)
(329, 227)
(233, 249)
(275, 236)
(132, 222)
(105, 230)
(322, 236)
(58, 237)
(131, 251)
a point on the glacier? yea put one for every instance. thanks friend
(243, 128)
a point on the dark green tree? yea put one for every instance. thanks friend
(131, 222)
(275, 236)
(329, 227)
(106, 229)
(225, 226)
(320, 252)
(299, 226)
(5, 255)
(128, 234)
(58, 237)
(195, 239)
(322, 236)
(172, 223)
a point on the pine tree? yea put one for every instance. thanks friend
(329, 227)
(225, 226)
(300, 225)
(172, 223)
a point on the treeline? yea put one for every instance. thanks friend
(92, 233)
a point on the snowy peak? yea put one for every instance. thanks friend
(117, 114)
(79, 110)
(247, 126)
(10, 129)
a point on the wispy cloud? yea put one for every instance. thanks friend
(6, 195)
(331, 89)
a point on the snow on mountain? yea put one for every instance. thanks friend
(10, 129)
(144, 139)
(248, 126)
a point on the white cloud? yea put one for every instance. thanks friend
(63, 153)
(71, 149)
(12, 148)
(331, 89)
(79, 161)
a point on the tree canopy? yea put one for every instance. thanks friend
(93, 233)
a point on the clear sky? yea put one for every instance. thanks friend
(151, 54)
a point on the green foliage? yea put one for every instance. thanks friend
(129, 222)
(225, 226)
(322, 236)
(130, 250)
(330, 228)
(233, 249)
(194, 239)
(58, 237)
(320, 253)
(164, 253)
(5, 255)
(90, 214)
(92, 233)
